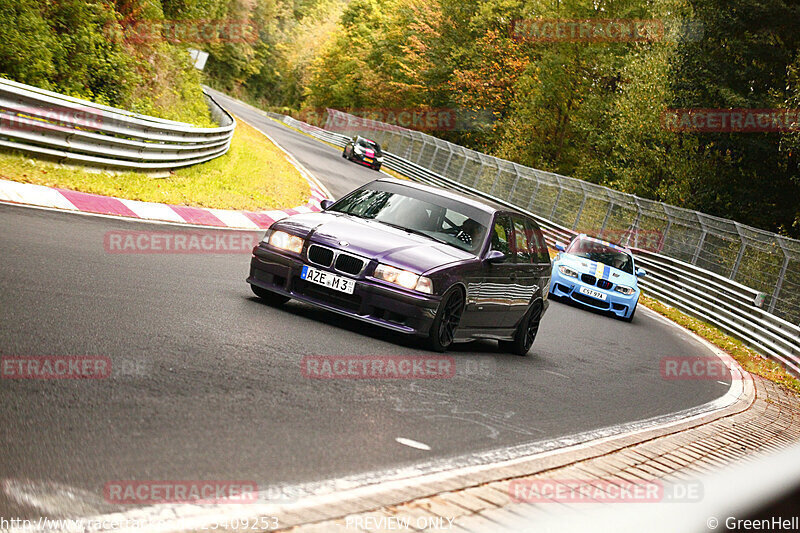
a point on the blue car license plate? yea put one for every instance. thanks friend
(326, 279)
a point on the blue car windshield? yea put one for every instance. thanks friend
(422, 215)
(601, 253)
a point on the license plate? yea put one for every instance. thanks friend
(594, 294)
(326, 279)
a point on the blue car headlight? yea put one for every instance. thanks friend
(567, 271)
(624, 289)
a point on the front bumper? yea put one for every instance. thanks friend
(371, 302)
(617, 303)
(361, 159)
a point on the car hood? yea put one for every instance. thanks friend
(587, 266)
(372, 239)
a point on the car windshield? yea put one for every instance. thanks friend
(417, 212)
(602, 253)
(364, 143)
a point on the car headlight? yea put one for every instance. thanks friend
(624, 289)
(284, 241)
(404, 278)
(567, 271)
(379, 158)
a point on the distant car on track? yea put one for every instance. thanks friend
(414, 259)
(597, 274)
(364, 151)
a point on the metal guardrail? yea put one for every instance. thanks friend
(72, 130)
(765, 261)
(716, 299)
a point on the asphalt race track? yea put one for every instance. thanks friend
(206, 380)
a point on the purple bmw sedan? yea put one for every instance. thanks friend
(414, 259)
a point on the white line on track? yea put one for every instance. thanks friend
(555, 374)
(413, 443)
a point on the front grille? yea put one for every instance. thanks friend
(604, 284)
(319, 255)
(589, 300)
(586, 278)
(351, 302)
(349, 264)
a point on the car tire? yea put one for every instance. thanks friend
(630, 318)
(526, 332)
(447, 319)
(344, 153)
(272, 298)
(376, 167)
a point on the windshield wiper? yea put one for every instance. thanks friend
(412, 230)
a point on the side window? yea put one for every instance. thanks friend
(538, 246)
(521, 240)
(502, 234)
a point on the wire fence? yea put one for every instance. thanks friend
(764, 261)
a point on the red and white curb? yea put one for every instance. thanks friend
(54, 198)
(41, 196)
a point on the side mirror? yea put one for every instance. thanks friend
(561, 247)
(640, 272)
(495, 256)
(325, 204)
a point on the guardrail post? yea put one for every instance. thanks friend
(608, 215)
(463, 167)
(516, 181)
(535, 194)
(580, 211)
(478, 175)
(778, 286)
(447, 164)
(739, 256)
(696, 255)
(421, 150)
(496, 179)
(555, 204)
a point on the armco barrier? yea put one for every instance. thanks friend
(721, 301)
(71, 130)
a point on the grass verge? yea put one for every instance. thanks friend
(253, 175)
(748, 358)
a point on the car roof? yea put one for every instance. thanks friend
(610, 244)
(470, 199)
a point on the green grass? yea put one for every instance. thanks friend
(748, 358)
(253, 175)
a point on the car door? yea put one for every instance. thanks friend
(523, 277)
(495, 290)
(542, 267)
